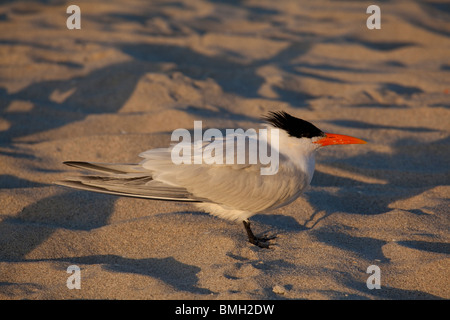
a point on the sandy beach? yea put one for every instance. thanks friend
(137, 70)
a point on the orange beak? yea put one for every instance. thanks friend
(332, 138)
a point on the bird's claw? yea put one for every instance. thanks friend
(262, 242)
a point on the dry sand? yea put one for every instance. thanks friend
(137, 70)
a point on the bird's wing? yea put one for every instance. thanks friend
(109, 168)
(125, 180)
(237, 186)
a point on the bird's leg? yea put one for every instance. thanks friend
(261, 242)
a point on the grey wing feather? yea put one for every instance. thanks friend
(238, 186)
(125, 180)
(110, 168)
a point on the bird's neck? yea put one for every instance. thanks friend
(300, 153)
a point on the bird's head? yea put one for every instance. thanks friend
(301, 129)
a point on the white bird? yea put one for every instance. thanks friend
(230, 191)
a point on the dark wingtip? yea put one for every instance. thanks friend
(73, 163)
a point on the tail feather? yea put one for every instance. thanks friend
(125, 180)
(109, 168)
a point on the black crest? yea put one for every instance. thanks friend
(295, 127)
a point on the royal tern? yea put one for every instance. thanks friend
(233, 191)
